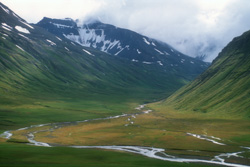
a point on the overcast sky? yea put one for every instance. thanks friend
(194, 27)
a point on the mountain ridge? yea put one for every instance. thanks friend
(119, 42)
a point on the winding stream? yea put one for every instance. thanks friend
(157, 153)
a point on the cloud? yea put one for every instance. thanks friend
(195, 27)
(34, 10)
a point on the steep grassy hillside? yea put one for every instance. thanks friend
(224, 89)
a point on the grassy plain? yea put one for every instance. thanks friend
(160, 128)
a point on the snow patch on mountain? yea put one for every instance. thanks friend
(59, 38)
(107, 45)
(75, 38)
(133, 60)
(26, 24)
(66, 48)
(87, 36)
(160, 63)
(119, 51)
(5, 35)
(16, 16)
(112, 44)
(21, 29)
(6, 27)
(23, 36)
(20, 48)
(6, 10)
(159, 51)
(166, 53)
(145, 62)
(51, 43)
(138, 51)
(88, 52)
(127, 46)
(61, 25)
(145, 40)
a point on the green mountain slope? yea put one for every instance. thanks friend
(44, 78)
(224, 89)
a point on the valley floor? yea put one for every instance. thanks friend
(181, 137)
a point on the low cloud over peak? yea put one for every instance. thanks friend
(195, 27)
